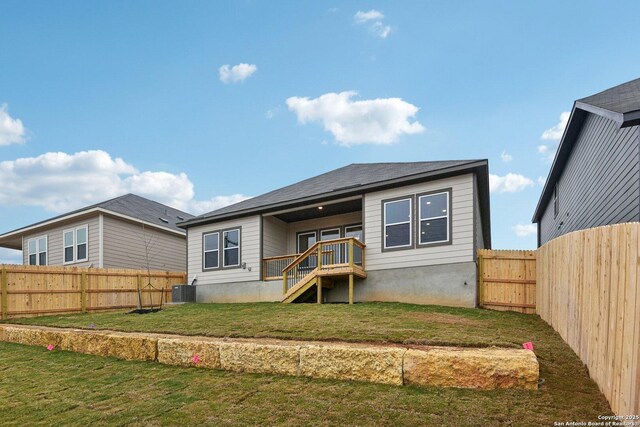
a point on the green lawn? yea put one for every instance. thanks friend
(379, 322)
(62, 388)
(58, 387)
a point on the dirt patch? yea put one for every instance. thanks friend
(450, 319)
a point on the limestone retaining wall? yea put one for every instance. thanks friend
(487, 368)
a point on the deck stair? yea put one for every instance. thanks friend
(320, 266)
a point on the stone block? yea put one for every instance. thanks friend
(352, 362)
(180, 352)
(488, 368)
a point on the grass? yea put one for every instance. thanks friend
(369, 322)
(64, 388)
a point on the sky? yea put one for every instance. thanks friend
(201, 104)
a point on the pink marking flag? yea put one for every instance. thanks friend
(50, 347)
(528, 346)
(195, 359)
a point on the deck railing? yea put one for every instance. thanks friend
(324, 256)
(272, 266)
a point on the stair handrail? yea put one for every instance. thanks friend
(314, 248)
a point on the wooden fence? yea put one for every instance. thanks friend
(36, 291)
(507, 280)
(588, 291)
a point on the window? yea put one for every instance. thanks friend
(75, 244)
(37, 250)
(556, 205)
(231, 248)
(397, 223)
(221, 249)
(353, 231)
(211, 252)
(433, 218)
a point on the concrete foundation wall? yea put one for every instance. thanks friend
(435, 284)
(255, 291)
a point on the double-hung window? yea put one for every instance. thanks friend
(37, 250)
(433, 216)
(75, 244)
(211, 250)
(397, 223)
(231, 248)
(221, 249)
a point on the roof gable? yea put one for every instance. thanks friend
(620, 104)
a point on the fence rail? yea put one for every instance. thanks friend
(507, 280)
(588, 291)
(37, 291)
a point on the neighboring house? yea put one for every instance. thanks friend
(595, 177)
(420, 224)
(126, 232)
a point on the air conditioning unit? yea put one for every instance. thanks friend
(183, 293)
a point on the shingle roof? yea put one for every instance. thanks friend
(145, 210)
(132, 206)
(622, 99)
(352, 176)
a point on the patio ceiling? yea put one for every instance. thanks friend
(327, 210)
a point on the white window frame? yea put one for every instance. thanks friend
(385, 225)
(224, 250)
(38, 250)
(204, 251)
(74, 232)
(347, 227)
(420, 219)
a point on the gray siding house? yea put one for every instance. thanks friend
(126, 232)
(403, 232)
(595, 176)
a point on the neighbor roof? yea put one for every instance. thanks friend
(356, 178)
(129, 205)
(623, 99)
(620, 104)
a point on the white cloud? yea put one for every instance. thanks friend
(60, 182)
(237, 73)
(373, 15)
(553, 134)
(372, 121)
(510, 183)
(10, 256)
(524, 230)
(12, 131)
(506, 157)
(374, 18)
(380, 30)
(216, 203)
(541, 181)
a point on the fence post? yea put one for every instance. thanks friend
(5, 302)
(83, 292)
(480, 279)
(319, 262)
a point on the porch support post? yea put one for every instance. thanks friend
(284, 283)
(351, 288)
(319, 284)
